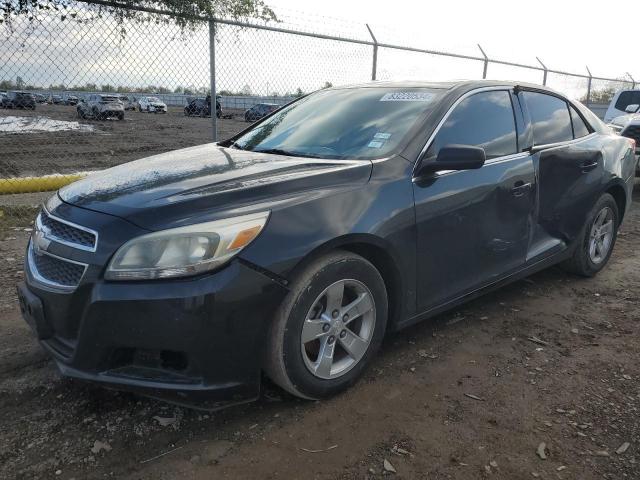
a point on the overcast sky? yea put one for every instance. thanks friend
(565, 34)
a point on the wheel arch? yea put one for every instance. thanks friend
(619, 194)
(379, 253)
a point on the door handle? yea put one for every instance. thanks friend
(520, 188)
(587, 167)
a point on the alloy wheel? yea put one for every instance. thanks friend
(601, 235)
(338, 329)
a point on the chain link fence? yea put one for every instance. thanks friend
(101, 89)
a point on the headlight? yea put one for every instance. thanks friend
(184, 251)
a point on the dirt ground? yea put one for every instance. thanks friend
(467, 395)
(110, 143)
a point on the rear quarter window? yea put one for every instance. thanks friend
(580, 129)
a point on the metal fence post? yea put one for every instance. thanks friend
(486, 62)
(544, 67)
(212, 76)
(374, 66)
(589, 87)
(633, 82)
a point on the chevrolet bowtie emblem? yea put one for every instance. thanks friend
(40, 242)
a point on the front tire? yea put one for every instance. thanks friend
(328, 328)
(597, 238)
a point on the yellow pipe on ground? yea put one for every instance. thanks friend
(37, 184)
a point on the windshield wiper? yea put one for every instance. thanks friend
(279, 151)
(236, 146)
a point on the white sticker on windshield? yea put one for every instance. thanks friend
(407, 97)
(382, 136)
(374, 144)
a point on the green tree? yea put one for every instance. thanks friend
(600, 95)
(184, 14)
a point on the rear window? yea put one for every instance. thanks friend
(627, 98)
(550, 118)
(109, 98)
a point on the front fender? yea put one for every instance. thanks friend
(379, 214)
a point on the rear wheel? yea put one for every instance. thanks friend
(597, 239)
(328, 328)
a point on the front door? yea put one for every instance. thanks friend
(473, 226)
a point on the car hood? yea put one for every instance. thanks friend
(210, 181)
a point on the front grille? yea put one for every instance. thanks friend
(66, 233)
(632, 131)
(55, 271)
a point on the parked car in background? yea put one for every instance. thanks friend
(198, 107)
(57, 100)
(152, 105)
(71, 100)
(619, 103)
(101, 107)
(260, 110)
(40, 98)
(202, 107)
(294, 246)
(15, 99)
(628, 125)
(3, 95)
(129, 102)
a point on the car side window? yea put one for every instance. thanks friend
(627, 98)
(484, 120)
(550, 118)
(580, 129)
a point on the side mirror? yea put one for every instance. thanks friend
(454, 157)
(633, 108)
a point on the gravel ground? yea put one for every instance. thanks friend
(467, 395)
(110, 142)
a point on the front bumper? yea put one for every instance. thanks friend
(196, 341)
(158, 109)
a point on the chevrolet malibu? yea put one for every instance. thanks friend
(291, 248)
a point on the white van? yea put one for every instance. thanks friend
(621, 100)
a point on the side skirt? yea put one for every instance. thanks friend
(513, 277)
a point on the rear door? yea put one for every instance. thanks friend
(473, 226)
(569, 165)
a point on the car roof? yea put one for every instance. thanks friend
(465, 85)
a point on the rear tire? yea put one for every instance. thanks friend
(596, 240)
(319, 317)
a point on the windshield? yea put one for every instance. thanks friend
(109, 98)
(153, 99)
(350, 123)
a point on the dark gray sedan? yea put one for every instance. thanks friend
(293, 247)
